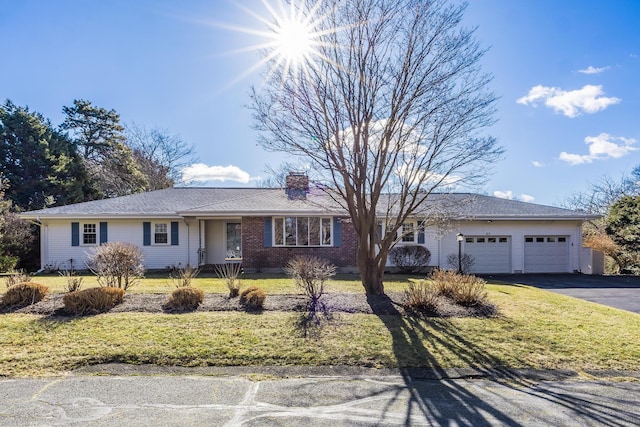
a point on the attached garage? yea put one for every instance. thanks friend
(491, 254)
(546, 254)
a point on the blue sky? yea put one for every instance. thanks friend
(567, 73)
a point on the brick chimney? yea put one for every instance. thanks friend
(297, 186)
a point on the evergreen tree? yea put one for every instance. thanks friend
(40, 164)
(101, 142)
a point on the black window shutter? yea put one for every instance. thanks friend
(421, 233)
(146, 233)
(75, 234)
(337, 232)
(174, 233)
(268, 233)
(103, 232)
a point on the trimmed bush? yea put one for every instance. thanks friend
(24, 294)
(245, 292)
(410, 258)
(185, 298)
(422, 296)
(92, 300)
(254, 300)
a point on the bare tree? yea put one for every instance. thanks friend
(160, 155)
(598, 199)
(389, 106)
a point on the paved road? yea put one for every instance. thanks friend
(615, 291)
(319, 401)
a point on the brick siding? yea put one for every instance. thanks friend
(255, 256)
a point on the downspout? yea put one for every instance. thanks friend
(188, 241)
(44, 244)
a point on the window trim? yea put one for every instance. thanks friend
(413, 232)
(83, 233)
(154, 233)
(322, 222)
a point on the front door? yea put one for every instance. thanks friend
(223, 240)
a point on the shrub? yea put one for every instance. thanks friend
(182, 277)
(24, 294)
(422, 296)
(15, 277)
(92, 300)
(73, 281)
(310, 273)
(245, 292)
(463, 289)
(254, 300)
(116, 264)
(8, 262)
(230, 272)
(466, 262)
(470, 291)
(184, 298)
(410, 258)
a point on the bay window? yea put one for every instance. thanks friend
(302, 231)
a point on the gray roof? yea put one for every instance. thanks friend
(197, 201)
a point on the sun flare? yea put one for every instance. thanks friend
(293, 36)
(294, 41)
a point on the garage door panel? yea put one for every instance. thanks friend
(546, 254)
(490, 254)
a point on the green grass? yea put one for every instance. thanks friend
(159, 283)
(535, 329)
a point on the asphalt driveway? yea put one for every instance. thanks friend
(614, 291)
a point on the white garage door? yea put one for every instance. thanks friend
(546, 254)
(491, 254)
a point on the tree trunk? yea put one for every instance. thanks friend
(371, 272)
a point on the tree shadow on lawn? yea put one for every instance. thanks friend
(429, 384)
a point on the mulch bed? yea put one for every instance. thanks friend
(390, 304)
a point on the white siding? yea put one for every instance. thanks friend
(57, 250)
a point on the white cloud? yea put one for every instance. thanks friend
(601, 147)
(199, 172)
(503, 194)
(537, 164)
(593, 70)
(509, 195)
(571, 103)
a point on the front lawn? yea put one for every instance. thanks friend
(159, 283)
(535, 329)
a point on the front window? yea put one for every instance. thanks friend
(161, 235)
(408, 234)
(89, 234)
(302, 231)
